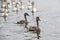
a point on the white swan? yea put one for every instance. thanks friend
(18, 2)
(15, 9)
(18, 5)
(4, 14)
(22, 7)
(6, 10)
(3, 9)
(13, 3)
(9, 6)
(29, 5)
(3, 5)
(34, 9)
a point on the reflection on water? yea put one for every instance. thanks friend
(5, 18)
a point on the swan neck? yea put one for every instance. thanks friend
(25, 18)
(37, 23)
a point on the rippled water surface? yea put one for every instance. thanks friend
(49, 13)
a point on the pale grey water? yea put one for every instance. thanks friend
(49, 13)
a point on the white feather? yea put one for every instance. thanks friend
(29, 7)
(28, 3)
(18, 6)
(13, 3)
(19, 2)
(15, 9)
(6, 10)
(4, 5)
(3, 9)
(34, 9)
(22, 7)
(9, 6)
(4, 14)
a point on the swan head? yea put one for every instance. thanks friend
(37, 18)
(26, 14)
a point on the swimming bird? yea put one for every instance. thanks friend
(19, 2)
(3, 5)
(5, 12)
(35, 28)
(13, 3)
(16, 8)
(33, 9)
(29, 5)
(21, 6)
(24, 21)
(8, 5)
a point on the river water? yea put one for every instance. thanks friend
(49, 13)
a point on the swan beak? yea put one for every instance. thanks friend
(39, 20)
(28, 15)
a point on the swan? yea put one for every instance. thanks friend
(29, 5)
(33, 9)
(21, 6)
(4, 14)
(24, 21)
(35, 28)
(9, 6)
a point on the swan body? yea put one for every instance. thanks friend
(13, 3)
(6, 10)
(15, 9)
(21, 22)
(32, 28)
(22, 7)
(19, 2)
(4, 14)
(9, 6)
(18, 6)
(28, 3)
(29, 7)
(3, 9)
(34, 9)
(3, 5)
